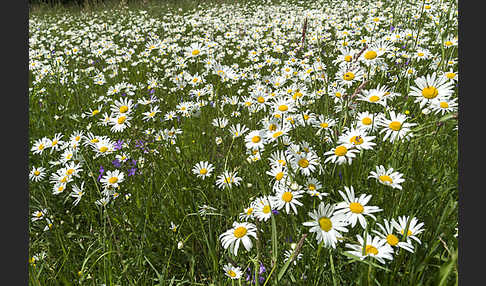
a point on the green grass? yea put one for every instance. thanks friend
(129, 242)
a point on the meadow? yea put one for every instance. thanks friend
(244, 143)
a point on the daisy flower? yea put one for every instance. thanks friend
(414, 228)
(124, 106)
(341, 154)
(288, 254)
(255, 140)
(286, 197)
(77, 192)
(283, 106)
(56, 143)
(278, 158)
(40, 145)
(240, 232)
(262, 208)
(37, 174)
(323, 124)
(150, 115)
(451, 75)
(238, 130)
(248, 213)
(354, 208)
(279, 131)
(375, 247)
(368, 121)
(396, 128)
(358, 138)
(327, 224)
(278, 172)
(390, 237)
(443, 105)
(119, 123)
(112, 179)
(374, 96)
(304, 162)
(232, 271)
(203, 169)
(387, 177)
(37, 215)
(430, 87)
(348, 77)
(228, 179)
(194, 50)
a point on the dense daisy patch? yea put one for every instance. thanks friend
(257, 143)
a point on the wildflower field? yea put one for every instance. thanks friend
(244, 143)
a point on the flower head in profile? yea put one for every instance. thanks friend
(387, 177)
(375, 247)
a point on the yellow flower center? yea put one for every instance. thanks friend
(430, 92)
(260, 99)
(255, 139)
(311, 187)
(195, 52)
(249, 211)
(240, 232)
(337, 94)
(369, 55)
(448, 43)
(358, 140)
(283, 107)
(203, 171)
(122, 119)
(409, 233)
(420, 54)
(54, 143)
(123, 109)
(374, 98)
(444, 104)
(324, 125)
(95, 140)
(272, 127)
(348, 58)
(348, 76)
(266, 209)
(60, 189)
(366, 121)
(370, 249)
(279, 176)
(36, 173)
(41, 146)
(96, 111)
(70, 171)
(113, 180)
(231, 273)
(276, 134)
(392, 239)
(103, 149)
(450, 75)
(395, 125)
(325, 224)
(386, 179)
(39, 214)
(297, 95)
(287, 196)
(340, 151)
(356, 208)
(303, 163)
(77, 138)
(427, 7)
